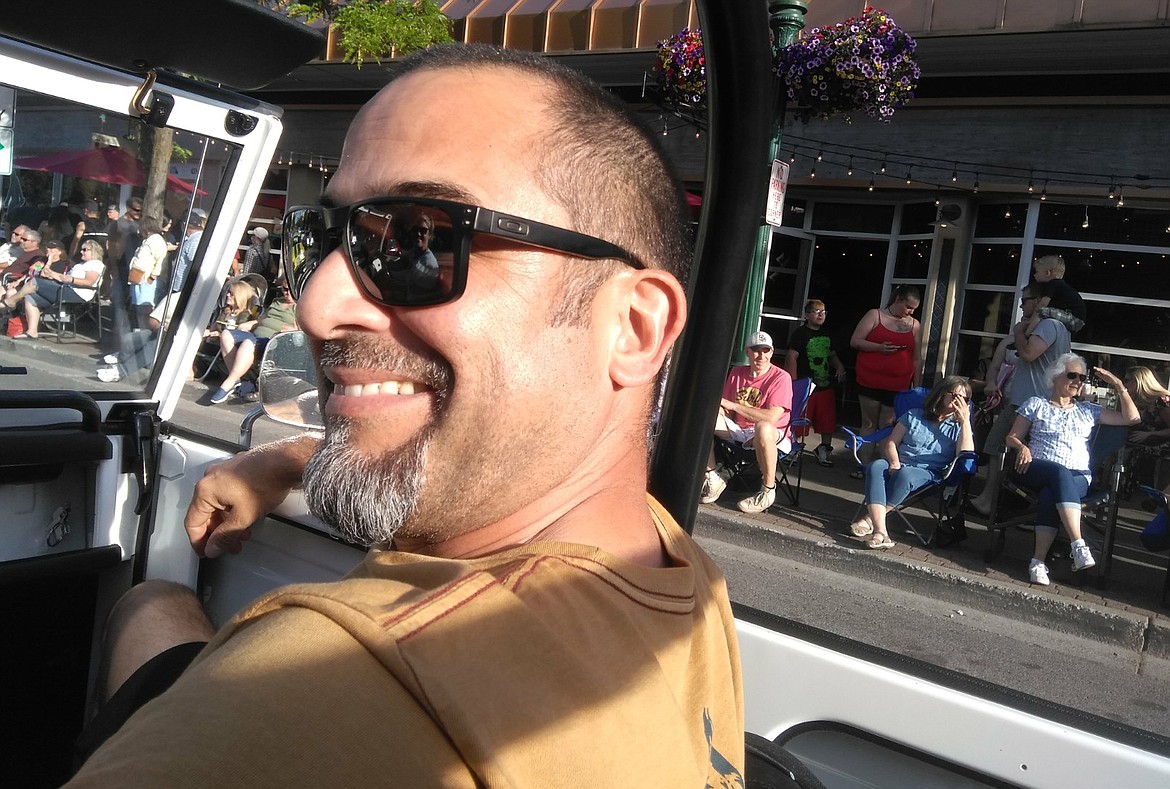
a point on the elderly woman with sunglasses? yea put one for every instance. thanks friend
(923, 442)
(1055, 458)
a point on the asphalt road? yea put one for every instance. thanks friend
(1103, 680)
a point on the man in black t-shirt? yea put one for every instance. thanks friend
(811, 355)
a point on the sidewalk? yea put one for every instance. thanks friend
(1124, 611)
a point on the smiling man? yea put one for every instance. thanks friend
(527, 615)
(755, 412)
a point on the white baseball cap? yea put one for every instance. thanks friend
(760, 338)
(259, 232)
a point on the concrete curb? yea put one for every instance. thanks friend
(1122, 629)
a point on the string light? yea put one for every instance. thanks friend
(908, 178)
(1031, 188)
(975, 188)
(1120, 197)
(937, 198)
(1085, 224)
(850, 171)
(1007, 213)
(1112, 190)
(792, 158)
(883, 164)
(820, 155)
(813, 172)
(1044, 191)
(955, 173)
(871, 183)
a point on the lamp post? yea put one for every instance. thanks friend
(786, 18)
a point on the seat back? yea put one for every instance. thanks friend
(802, 389)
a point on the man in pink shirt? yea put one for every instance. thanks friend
(755, 411)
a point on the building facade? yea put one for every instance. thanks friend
(1038, 128)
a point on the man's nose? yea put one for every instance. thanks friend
(333, 302)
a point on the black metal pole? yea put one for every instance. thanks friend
(741, 91)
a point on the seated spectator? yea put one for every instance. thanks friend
(755, 411)
(924, 441)
(1055, 459)
(241, 346)
(810, 354)
(1153, 403)
(31, 253)
(76, 287)
(16, 289)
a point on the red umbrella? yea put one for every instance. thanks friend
(108, 165)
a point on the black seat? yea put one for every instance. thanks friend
(767, 765)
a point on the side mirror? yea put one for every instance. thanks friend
(288, 382)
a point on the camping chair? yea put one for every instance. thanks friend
(741, 462)
(941, 496)
(67, 313)
(1098, 510)
(209, 351)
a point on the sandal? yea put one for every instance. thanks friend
(862, 527)
(857, 473)
(877, 541)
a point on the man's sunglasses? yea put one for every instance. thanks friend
(376, 238)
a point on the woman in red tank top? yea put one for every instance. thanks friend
(889, 351)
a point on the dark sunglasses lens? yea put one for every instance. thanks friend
(1077, 376)
(403, 252)
(302, 246)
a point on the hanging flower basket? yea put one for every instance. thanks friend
(864, 64)
(682, 69)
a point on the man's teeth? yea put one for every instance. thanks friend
(385, 388)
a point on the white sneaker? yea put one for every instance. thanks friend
(759, 502)
(1038, 572)
(111, 358)
(109, 374)
(1082, 558)
(713, 486)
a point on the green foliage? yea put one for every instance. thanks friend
(373, 28)
(180, 153)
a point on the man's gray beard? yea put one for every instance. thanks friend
(367, 499)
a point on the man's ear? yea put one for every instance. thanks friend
(651, 309)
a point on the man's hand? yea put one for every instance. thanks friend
(233, 495)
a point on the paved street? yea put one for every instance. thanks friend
(1106, 651)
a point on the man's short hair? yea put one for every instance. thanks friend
(32, 235)
(1053, 263)
(616, 184)
(134, 203)
(813, 304)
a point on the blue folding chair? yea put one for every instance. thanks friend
(740, 463)
(941, 496)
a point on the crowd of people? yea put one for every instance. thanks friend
(1036, 390)
(138, 264)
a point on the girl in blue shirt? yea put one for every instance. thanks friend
(924, 441)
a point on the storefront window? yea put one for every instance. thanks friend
(994, 264)
(913, 261)
(917, 218)
(853, 217)
(1136, 226)
(1001, 220)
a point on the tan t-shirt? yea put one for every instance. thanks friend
(552, 664)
